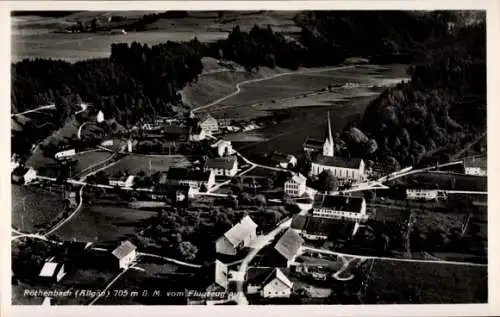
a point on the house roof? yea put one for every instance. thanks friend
(277, 273)
(221, 142)
(289, 244)
(221, 162)
(240, 231)
(325, 226)
(206, 117)
(314, 143)
(337, 161)
(179, 173)
(298, 178)
(50, 269)
(339, 203)
(124, 249)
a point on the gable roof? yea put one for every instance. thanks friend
(278, 274)
(297, 178)
(314, 143)
(240, 231)
(123, 249)
(206, 117)
(180, 173)
(289, 244)
(339, 203)
(325, 226)
(50, 269)
(337, 162)
(221, 162)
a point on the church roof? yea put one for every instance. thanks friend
(338, 162)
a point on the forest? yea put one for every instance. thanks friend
(444, 102)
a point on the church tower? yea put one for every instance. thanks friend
(328, 146)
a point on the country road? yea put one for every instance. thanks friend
(249, 81)
(33, 110)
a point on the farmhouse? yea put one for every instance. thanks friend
(209, 124)
(100, 116)
(269, 283)
(193, 178)
(125, 254)
(288, 245)
(477, 167)
(424, 194)
(71, 198)
(283, 160)
(52, 271)
(222, 166)
(340, 207)
(125, 181)
(23, 175)
(224, 148)
(319, 228)
(296, 185)
(239, 236)
(209, 285)
(64, 154)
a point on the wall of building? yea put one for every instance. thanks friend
(223, 246)
(275, 289)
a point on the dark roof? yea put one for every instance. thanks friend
(289, 244)
(327, 226)
(19, 171)
(257, 276)
(337, 161)
(436, 180)
(299, 222)
(314, 143)
(179, 173)
(280, 157)
(339, 203)
(175, 130)
(221, 162)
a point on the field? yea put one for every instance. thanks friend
(449, 181)
(32, 207)
(103, 223)
(87, 159)
(393, 282)
(34, 36)
(136, 163)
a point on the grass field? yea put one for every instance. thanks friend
(136, 163)
(103, 223)
(426, 283)
(33, 207)
(87, 159)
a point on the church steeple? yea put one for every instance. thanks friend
(328, 146)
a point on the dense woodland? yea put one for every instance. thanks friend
(443, 104)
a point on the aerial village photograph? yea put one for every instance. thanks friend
(248, 157)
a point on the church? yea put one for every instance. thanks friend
(323, 153)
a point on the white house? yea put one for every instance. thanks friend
(477, 171)
(209, 124)
(52, 271)
(64, 154)
(29, 176)
(125, 253)
(100, 116)
(296, 185)
(223, 148)
(270, 285)
(193, 178)
(222, 166)
(126, 181)
(340, 207)
(239, 236)
(107, 143)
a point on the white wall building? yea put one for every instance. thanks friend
(296, 185)
(424, 194)
(29, 176)
(53, 271)
(477, 171)
(275, 285)
(125, 253)
(126, 181)
(224, 148)
(100, 116)
(222, 166)
(209, 124)
(239, 236)
(65, 154)
(340, 207)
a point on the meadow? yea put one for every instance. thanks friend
(103, 223)
(89, 158)
(148, 164)
(33, 207)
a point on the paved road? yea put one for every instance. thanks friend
(34, 110)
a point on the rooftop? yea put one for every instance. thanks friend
(277, 273)
(124, 249)
(179, 173)
(314, 143)
(221, 162)
(289, 244)
(338, 162)
(49, 269)
(240, 231)
(298, 178)
(324, 226)
(339, 203)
